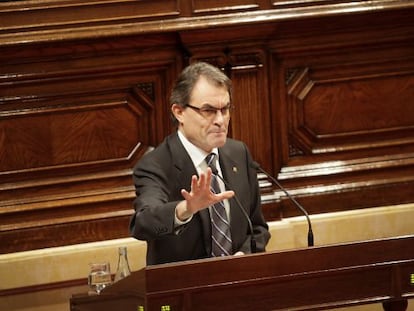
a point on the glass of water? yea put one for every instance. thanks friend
(99, 277)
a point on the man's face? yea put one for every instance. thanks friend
(206, 128)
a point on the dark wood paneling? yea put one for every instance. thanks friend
(212, 6)
(16, 16)
(344, 97)
(74, 119)
(323, 100)
(68, 229)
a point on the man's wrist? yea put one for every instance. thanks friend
(181, 212)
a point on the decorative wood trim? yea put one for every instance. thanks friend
(42, 287)
(124, 27)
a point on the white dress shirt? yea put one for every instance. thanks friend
(198, 157)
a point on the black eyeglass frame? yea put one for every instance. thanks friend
(210, 112)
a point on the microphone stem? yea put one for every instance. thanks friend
(252, 238)
(310, 232)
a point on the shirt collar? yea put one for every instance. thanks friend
(196, 154)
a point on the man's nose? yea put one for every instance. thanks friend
(219, 116)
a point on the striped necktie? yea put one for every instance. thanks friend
(220, 226)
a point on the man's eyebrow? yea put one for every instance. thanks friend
(208, 106)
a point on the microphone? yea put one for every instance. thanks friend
(253, 248)
(257, 167)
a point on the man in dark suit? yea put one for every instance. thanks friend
(175, 202)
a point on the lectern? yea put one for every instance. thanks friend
(314, 278)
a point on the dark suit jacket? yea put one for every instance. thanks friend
(159, 177)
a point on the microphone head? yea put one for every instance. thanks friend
(255, 165)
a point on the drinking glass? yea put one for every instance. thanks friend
(99, 277)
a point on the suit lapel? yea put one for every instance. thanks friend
(185, 169)
(230, 170)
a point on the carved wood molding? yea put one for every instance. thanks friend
(346, 113)
(69, 231)
(124, 18)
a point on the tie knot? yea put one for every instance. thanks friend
(211, 162)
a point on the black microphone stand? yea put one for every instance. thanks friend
(274, 180)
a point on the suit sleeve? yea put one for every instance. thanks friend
(154, 207)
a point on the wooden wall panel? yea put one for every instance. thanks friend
(346, 101)
(18, 15)
(252, 109)
(323, 100)
(72, 125)
(337, 113)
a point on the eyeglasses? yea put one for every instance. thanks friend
(210, 112)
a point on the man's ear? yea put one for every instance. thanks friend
(177, 111)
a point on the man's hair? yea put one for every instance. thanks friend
(181, 93)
